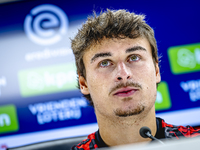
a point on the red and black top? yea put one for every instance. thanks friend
(164, 130)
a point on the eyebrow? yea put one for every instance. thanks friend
(100, 55)
(132, 49)
(107, 54)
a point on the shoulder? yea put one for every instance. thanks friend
(178, 131)
(86, 144)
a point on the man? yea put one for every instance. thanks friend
(118, 72)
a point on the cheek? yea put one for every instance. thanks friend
(144, 74)
(147, 77)
(96, 83)
(98, 92)
(149, 72)
(150, 84)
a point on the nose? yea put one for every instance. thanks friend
(123, 72)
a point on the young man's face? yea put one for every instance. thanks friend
(120, 77)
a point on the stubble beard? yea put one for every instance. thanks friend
(130, 112)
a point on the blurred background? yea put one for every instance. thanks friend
(39, 99)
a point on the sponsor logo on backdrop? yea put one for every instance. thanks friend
(48, 53)
(46, 24)
(8, 119)
(3, 83)
(46, 80)
(163, 101)
(184, 59)
(193, 89)
(60, 110)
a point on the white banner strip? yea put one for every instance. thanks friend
(41, 136)
(182, 117)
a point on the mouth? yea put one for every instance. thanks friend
(125, 92)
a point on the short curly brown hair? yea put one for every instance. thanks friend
(110, 24)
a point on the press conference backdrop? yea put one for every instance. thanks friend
(39, 100)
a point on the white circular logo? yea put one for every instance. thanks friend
(46, 24)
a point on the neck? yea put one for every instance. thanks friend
(125, 130)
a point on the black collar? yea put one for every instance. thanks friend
(99, 141)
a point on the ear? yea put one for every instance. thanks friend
(158, 77)
(83, 85)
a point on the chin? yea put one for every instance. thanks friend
(130, 112)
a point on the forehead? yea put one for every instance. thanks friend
(116, 45)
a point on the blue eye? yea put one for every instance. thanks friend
(134, 58)
(105, 63)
